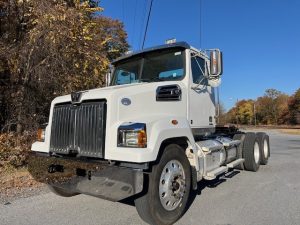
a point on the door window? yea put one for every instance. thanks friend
(198, 70)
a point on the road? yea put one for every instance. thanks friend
(269, 196)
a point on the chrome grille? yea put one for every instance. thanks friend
(79, 129)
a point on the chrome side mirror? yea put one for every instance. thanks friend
(107, 79)
(216, 68)
(108, 76)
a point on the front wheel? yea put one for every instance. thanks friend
(168, 188)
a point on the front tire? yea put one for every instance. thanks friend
(168, 188)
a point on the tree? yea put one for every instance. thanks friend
(245, 111)
(242, 112)
(222, 114)
(272, 107)
(50, 48)
(282, 108)
(231, 116)
(294, 107)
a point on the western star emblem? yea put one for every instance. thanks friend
(75, 97)
(126, 101)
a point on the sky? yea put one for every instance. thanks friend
(260, 39)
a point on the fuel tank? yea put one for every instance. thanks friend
(218, 151)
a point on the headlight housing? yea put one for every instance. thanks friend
(132, 135)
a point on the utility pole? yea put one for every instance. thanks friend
(218, 106)
(236, 112)
(254, 112)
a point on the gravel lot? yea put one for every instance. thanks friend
(270, 196)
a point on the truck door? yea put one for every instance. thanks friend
(201, 98)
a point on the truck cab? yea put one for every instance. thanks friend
(150, 134)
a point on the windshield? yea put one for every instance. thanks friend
(162, 65)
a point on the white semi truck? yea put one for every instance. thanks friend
(150, 135)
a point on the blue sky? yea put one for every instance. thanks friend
(260, 39)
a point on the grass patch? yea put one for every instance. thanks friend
(12, 179)
(290, 131)
(14, 175)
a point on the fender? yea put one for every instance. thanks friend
(158, 130)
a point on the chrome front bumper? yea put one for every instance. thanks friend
(98, 179)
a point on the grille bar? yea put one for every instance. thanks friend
(79, 129)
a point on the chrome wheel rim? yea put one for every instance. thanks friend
(266, 148)
(172, 185)
(256, 152)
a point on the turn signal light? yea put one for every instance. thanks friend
(41, 134)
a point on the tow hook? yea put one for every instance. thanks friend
(55, 168)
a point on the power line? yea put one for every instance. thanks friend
(134, 19)
(145, 34)
(142, 22)
(200, 27)
(123, 11)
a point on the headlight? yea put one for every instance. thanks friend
(41, 133)
(132, 135)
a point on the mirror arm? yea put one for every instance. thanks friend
(196, 87)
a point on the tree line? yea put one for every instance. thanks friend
(273, 108)
(50, 48)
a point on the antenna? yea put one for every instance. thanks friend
(149, 13)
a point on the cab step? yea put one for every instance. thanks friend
(235, 163)
(223, 169)
(216, 172)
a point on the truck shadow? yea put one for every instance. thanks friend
(210, 184)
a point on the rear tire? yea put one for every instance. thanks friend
(61, 192)
(264, 146)
(251, 152)
(240, 137)
(158, 205)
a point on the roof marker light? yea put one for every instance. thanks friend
(170, 41)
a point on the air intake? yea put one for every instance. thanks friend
(168, 93)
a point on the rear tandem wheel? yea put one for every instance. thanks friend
(251, 152)
(264, 146)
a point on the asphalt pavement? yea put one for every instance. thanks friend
(270, 196)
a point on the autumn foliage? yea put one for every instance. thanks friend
(50, 48)
(273, 108)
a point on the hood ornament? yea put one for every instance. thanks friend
(76, 97)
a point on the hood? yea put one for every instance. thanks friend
(118, 90)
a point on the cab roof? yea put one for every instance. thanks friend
(182, 45)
